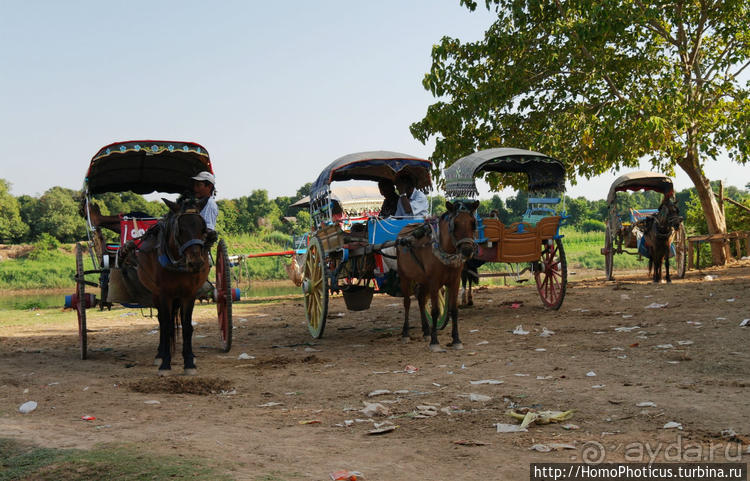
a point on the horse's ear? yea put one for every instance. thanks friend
(473, 206)
(449, 205)
(172, 206)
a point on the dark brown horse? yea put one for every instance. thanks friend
(432, 256)
(173, 265)
(658, 233)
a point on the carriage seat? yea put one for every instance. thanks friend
(133, 228)
(518, 242)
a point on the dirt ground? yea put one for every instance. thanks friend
(291, 411)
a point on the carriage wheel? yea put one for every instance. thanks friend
(443, 315)
(680, 251)
(315, 288)
(224, 296)
(609, 255)
(81, 302)
(552, 278)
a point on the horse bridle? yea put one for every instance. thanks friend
(458, 257)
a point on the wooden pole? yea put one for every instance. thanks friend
(690, 254)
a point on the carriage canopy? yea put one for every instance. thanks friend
(543, 172)
(640, 180)
(377, 165)
(350, 197)
(145, 166)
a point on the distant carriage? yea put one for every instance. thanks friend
(141, 167)
(624, 229)
(535, 240)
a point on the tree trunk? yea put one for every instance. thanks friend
(714, 215)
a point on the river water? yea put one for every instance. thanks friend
(41, 299)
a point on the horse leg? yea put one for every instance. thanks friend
(451, 298)
(464, 292)
(166, 337)
(186, 314)
(434, 343)
(406, 291)
(421, 294)
(666, 266)
(471, 297)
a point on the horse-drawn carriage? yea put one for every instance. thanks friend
(536, 239)
(350, 260)
(625, 228)
(141, 167)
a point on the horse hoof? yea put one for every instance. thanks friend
(436, 348)
(157, 362)
(457, 346)
(165, 372)
(191, 371)
(405, 340)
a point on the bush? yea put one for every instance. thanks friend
(44, 247)
(592, 225)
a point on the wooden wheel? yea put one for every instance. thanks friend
(552, 276)
(680, 251)
(80, 302)
(224, 296)
(315, 288)
(443, 316)
(609, 254)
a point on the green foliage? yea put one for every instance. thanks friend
(44, 247)
(597, 84)
(114, 462)
(12, 226)
(57, 214)
(593, 225)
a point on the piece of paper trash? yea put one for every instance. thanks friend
(546, 332)
(88, 418)
(664, 346)
(310, 421)
(656, 305)
(626, 329)
(709, 277)
(745, 323)
(672, 425)
(375, 409)
(270, 404)
(520, 374)
(482, 343)
(27, 407)
(598, 386)
(379, 392)
(152, 401)
(344, 475)
(382, 428)
(509, 428)
(519, 330)
(591, 374)
(646, 404)
(486, 381)
(478, 397)
(570, 427)
(529, 416)
(684, 343)
(545, 448)
(730, 300)
(409, 369)
(540, 349)
(244, 356)
(543, 378)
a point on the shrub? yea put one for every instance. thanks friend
(593, 225)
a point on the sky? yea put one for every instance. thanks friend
(275, 91)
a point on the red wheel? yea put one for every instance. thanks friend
(224, 296)
(80, 301)
(552, 274)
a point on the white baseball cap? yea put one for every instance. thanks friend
(205, 175)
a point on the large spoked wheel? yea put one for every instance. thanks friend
(552, 276)
(609, 254)
(81, 302)
(680, 251)
(315, 288)
(443, 312)
(224, 296)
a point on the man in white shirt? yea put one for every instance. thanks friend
(412, 202)
(203, 187)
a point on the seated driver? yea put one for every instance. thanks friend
(412, 202)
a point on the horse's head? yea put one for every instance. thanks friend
(462, 226)
(669, 215)
(187, 233)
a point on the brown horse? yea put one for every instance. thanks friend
(432, 256)
(173, 265)
(658, 233)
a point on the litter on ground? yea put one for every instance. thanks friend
(529, 416)
(519, 330)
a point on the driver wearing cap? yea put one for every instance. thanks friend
(203, 188)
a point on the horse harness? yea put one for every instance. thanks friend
(432, 228)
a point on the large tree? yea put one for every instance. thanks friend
(601, 85)
(12, 227)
